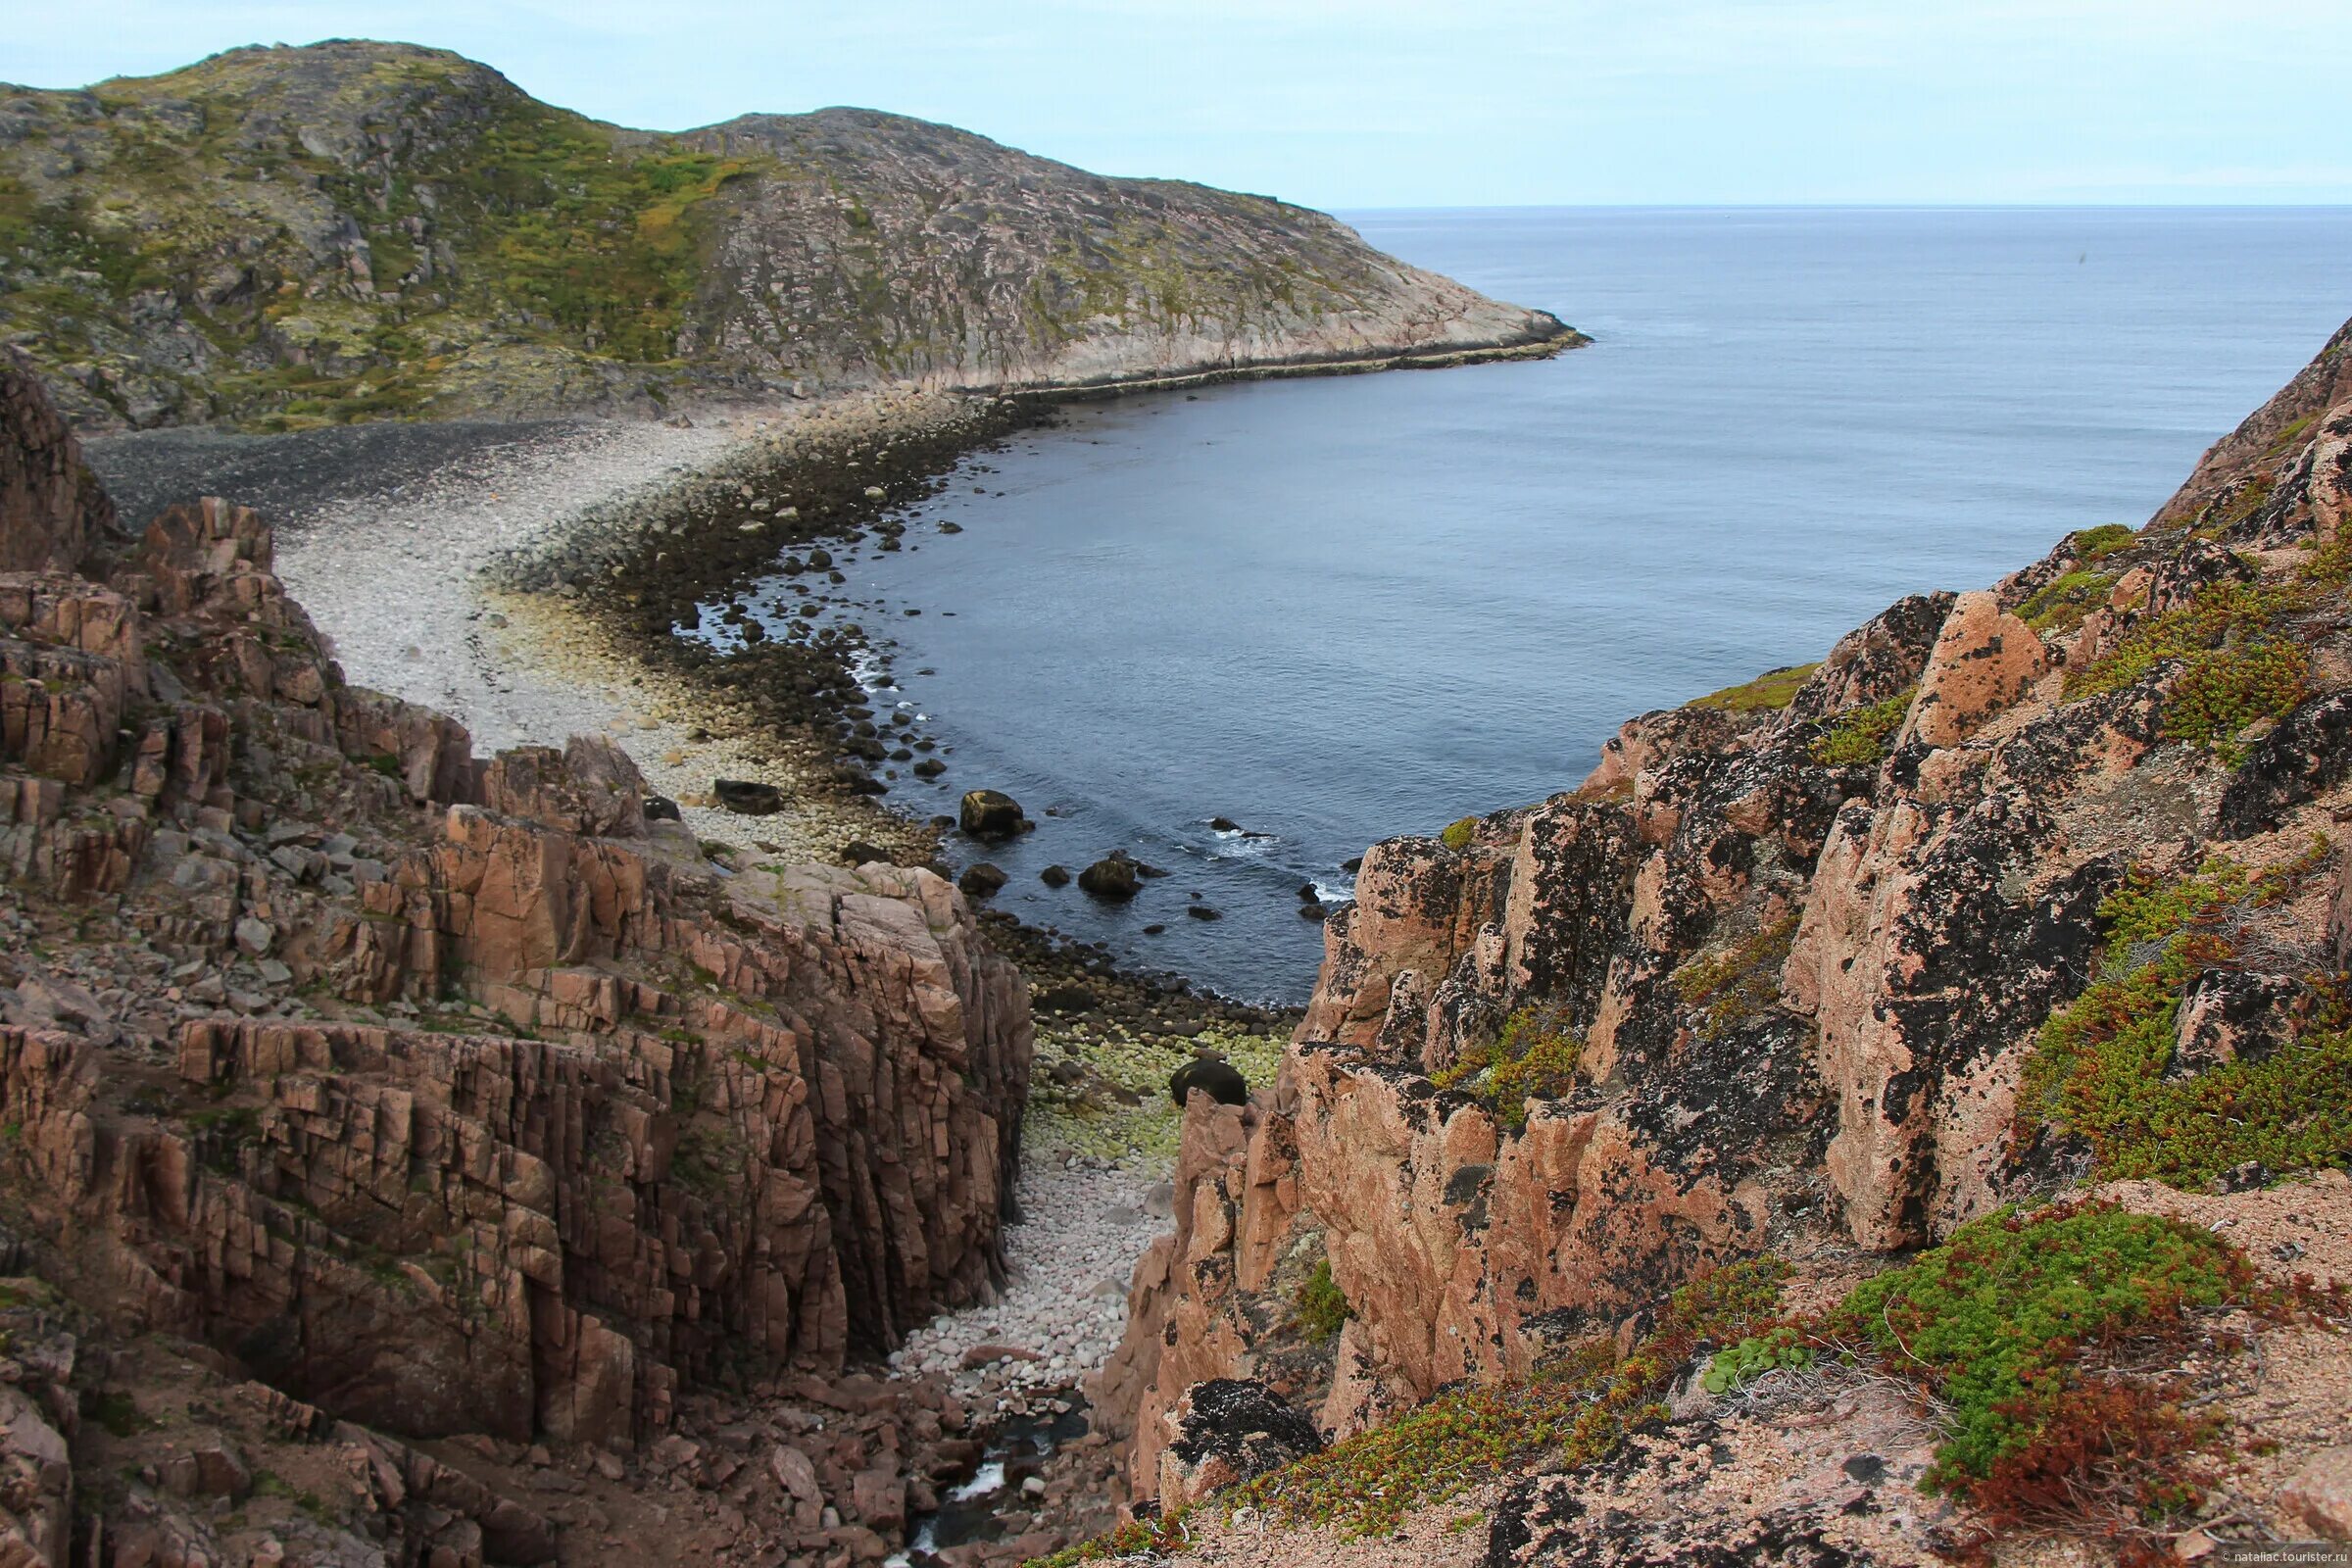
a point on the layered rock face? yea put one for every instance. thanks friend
(1768, 979)
(357, 229)
(447, 1096)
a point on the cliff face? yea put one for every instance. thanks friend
(294, 236)
(2015, 890)
(444, 1095)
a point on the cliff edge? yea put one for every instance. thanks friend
(2014, 930)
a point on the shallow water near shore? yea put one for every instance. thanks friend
(1336, 611)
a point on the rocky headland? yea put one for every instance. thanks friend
(1892, 1112)
(290, 237)
(370, 1094)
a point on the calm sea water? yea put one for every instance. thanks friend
(1338, 611)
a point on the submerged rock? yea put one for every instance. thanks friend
(1112, 877)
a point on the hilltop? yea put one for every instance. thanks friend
(289, 236)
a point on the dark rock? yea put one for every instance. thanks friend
(929, 767)
(1220, 1080)
(1224, 825)
(661, 808)
(1054, 876)
(1202, 912)
(1313, 912)
(2310, 751)
(1229, 1431)
(991, 814)
(860, 853)
(982, 880)
(1353, 866)
(748, 797)
(1111, 877)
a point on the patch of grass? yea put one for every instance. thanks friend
(1768, 692)
(1458, 835)
(2101, 1067)
(1575, 1412)
(1860, 736)
(2097, 544)
(1322, 1305)
(1535, 1057)
(2060, 604)
(2004, 1325)
(1738, 983)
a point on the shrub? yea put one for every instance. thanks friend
(1322, 1306)
(2239, 663)
(1739, 983)
(1534, 1058)
(2000, 1325)
(2101, 1067)
(1860, 736)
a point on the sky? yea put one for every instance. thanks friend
(1359, 104)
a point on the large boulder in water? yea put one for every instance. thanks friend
(991, 814)
(1111, 877)
(1220, 1080)
(980, 880)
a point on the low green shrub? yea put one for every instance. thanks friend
(1535, 1057)
(1458, 835)
(2097, 544)
(2061, 604)
(2001, 1325)
(1860, 736)
(1322, 1306)
(2101, 1067)
(1738, 983)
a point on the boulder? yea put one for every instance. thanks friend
(860, 853)
(2319, 1494)
(982, 880)
(1054, 876)
(747, 796)
(1219, 1080)
(1113, 877)
(991, 814)
(1225, 1432)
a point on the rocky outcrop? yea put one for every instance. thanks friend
(293, 217)
(1768, 981)
(54, 513)
(450, 1097)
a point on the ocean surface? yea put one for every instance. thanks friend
(1338, 611)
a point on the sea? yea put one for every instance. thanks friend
(1336, 611)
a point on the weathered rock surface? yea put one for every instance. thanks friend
(1783, 969)
(333, 233)
(451, 1099)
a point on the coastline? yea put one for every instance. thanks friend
(485, 590)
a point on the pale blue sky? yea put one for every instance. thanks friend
(1381, 103)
